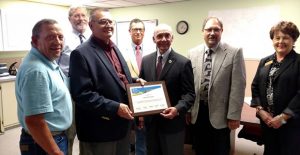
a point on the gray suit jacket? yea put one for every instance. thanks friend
(227, 85)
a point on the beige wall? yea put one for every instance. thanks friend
(251, 66)
(194, 11)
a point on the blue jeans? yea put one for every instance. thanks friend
(29, 147)
(140, 141)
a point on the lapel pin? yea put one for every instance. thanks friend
(269, 62)
(170, 61)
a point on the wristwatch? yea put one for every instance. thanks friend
(258, 109)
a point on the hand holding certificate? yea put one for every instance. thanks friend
(152, 98)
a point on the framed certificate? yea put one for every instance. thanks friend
(152, 98)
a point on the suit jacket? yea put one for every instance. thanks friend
(130, 58)
(178, 76)
(286, 87)
(227, 85)
(97, 92)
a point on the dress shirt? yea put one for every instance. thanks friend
(165, 57)
(71, 42)
(113, 58)
(134, 48)
(212, 54)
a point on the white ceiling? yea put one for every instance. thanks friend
(106, 3)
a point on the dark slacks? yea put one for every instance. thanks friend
(161, 143)
(117, 147)
(206, 139)
(282, 141)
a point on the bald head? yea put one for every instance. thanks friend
(162, 28)
(163, 37)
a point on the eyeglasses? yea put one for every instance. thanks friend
(217, 30)
(105, 22)
(138, 29)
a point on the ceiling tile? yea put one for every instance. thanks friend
(105, 3)
(145, 2)
(121, 3)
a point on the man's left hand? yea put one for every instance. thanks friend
(141, 81)
(169, 113)
(233, 124)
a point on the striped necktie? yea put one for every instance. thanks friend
(206, 75)
(81, 38)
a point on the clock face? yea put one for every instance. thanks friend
(182, 27)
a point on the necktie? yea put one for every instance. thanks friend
(138, 56)
(206, 74)
(159, 66)
(81, 38)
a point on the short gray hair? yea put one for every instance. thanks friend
(36, 30)
(75, 7)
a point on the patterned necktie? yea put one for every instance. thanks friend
(206, 74)
(138, 56)
(159, 66)
(81, 38)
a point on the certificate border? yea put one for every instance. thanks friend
(128, 86)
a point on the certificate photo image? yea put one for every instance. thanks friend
(152, 98)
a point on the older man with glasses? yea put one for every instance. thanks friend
(220, 81)
(98, 76)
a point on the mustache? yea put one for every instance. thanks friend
(82, 22)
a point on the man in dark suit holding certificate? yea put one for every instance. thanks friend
(165, 131)
(98, 76)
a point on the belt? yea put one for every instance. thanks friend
(53, 133)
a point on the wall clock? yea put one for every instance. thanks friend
(182, 27)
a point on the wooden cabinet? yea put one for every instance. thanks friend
(8, 105)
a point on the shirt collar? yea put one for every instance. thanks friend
(214, 48)
(77, 33)
(133, 45)
(105, 46)
(52, 64)
(165, 55)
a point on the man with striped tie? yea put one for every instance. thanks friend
(80, 32)
(220, 81)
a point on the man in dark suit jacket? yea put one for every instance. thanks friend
(165, 131)
(98, 76)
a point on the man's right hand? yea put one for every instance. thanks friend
(266, 117)
(125, 112)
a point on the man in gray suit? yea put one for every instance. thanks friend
(220, 81)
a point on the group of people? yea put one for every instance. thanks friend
(85, 75)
